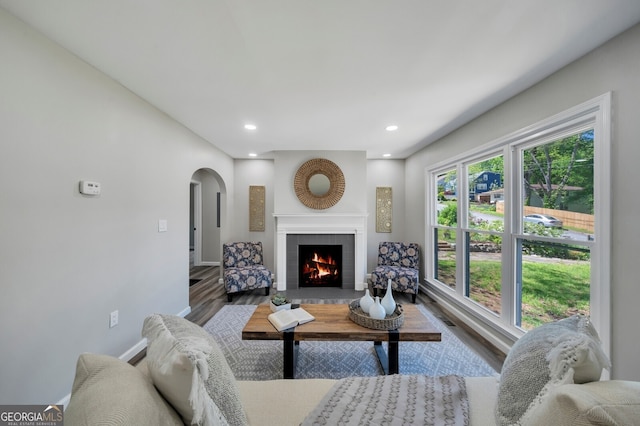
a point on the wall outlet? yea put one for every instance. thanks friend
(113, 319)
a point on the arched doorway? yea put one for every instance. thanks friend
(206, 217)
(206, 233)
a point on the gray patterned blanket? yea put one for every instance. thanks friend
(394, 400)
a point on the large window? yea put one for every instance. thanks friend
(519, 228)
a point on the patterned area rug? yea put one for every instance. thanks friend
(262, 360)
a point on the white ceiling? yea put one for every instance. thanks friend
(326, 74)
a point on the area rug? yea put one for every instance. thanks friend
(262, 359)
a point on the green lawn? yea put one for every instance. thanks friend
(550, 290)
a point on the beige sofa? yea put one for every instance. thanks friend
(260, 398)
(185, 380)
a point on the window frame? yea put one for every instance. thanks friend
(500, 329)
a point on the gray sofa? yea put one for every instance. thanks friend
(549, 377)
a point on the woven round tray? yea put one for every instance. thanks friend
(360, 317)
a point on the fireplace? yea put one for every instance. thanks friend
(320, 265)
(346, 230)
(315, 251)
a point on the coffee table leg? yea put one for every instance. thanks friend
(389, 362)
(394, 364)
(382, 357)
(290, 354)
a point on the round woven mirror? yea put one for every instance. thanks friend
(319, 183)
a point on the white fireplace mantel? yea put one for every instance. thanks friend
(321, 223)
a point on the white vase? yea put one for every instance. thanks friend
(387, 302)
(366, 301)
(376, 311)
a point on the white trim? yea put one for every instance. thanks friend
(134, 350)
(493, 335)
(601, 313)
(197, 222)
(183, 313)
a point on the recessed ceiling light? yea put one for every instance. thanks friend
(253, 154)
(391, 128)
(386, 155)
(250, 126)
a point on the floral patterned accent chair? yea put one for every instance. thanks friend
(243, 268)
(399, 262)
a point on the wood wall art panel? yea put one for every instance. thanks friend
(256, 208)
(383, 209)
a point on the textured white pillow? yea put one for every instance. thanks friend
(607, 403)
(565, 351)
(189, 369)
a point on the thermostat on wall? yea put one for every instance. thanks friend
(89, 188)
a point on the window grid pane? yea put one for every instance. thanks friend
(445, 268)
(554, 282)
(483, 273)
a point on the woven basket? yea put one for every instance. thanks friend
(360, 317)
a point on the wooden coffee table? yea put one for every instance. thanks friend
(332, 323)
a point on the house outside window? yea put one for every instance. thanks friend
(535, 248)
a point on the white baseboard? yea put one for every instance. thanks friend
(134, 350)
(493, 336)
(64, 401)
(142, 344)
(183, 313)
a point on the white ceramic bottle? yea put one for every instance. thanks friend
(366, 301)
(376, 311)
(387, 302)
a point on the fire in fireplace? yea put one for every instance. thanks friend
(320, 265)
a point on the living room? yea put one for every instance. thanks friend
(70, 260)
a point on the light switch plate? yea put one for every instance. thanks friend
(162, 225)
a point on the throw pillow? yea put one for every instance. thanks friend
(561, 352)
(107, 390)
(607, 403)
(189, 369)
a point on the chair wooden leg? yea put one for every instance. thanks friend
(229, 297)
(266, 291)
(375, 291)
(413, 297)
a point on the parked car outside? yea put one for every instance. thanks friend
(544, 219)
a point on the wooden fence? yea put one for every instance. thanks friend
(581, 221)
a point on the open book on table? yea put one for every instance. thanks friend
(288, 318)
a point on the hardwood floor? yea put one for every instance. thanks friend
(207, 297)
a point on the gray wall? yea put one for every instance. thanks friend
(353, 165)
(260, 173)
(68, 260)
(614, 67)
(386, 173)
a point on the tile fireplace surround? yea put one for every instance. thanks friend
(352, 224)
